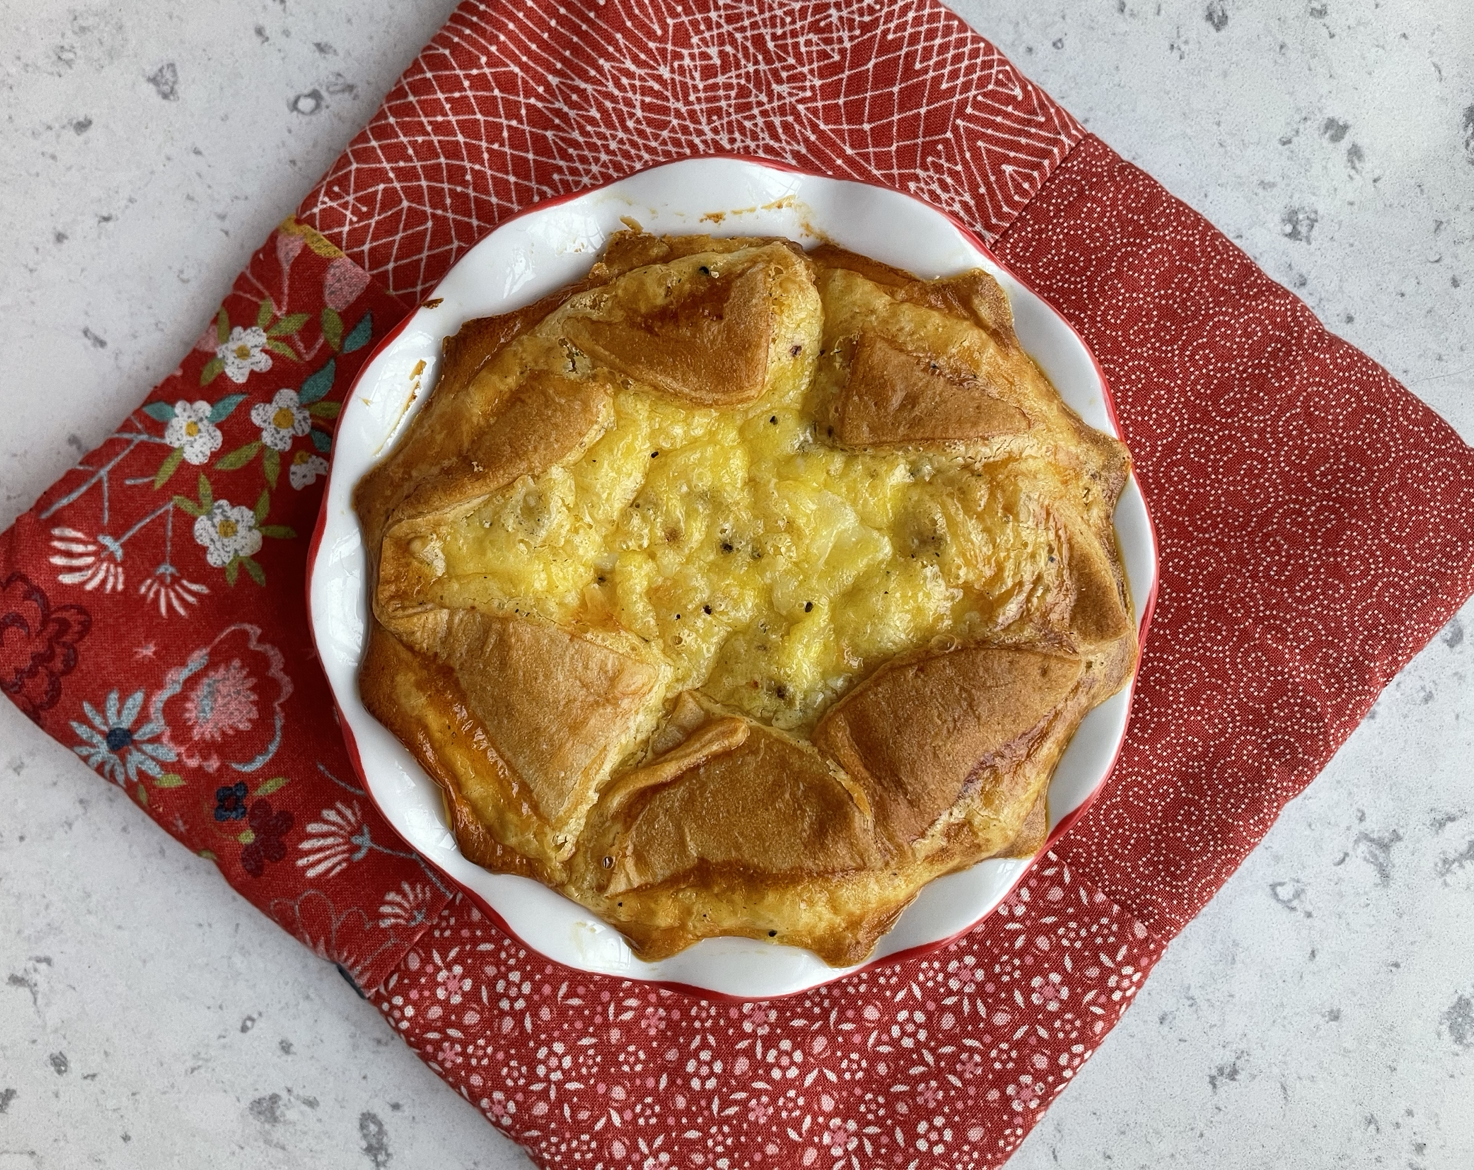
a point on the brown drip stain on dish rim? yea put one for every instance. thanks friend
(414, 393)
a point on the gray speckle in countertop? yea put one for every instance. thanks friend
(165, 80)
(1376, 851)
(1458, 1021)
(1451, 862)
(268, 1109)
(23, 979)
(375, 1139)
(307, 103)
(1288, 893)
(1298, 223)
(1227, 1072)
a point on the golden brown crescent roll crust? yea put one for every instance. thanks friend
(990, 357)
(1034, 833)
(706, 339)
(762, 804)
(421, 702)
(918, 730)
(557, 708)
(735, 590)
(895, 397)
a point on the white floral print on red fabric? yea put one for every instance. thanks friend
(244, 353)
(227, 532)
(174, 677)
(281, 420)
(305, 469)
(192, 431)
(81, 560)
(341, 836)
(333, 840)
(407, 906)
(167, 590)
(940, 1062)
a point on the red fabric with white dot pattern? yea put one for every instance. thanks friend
(1316, 524)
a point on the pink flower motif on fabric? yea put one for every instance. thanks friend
(963, 975)
(346, 937)
(653, 1020)
(222, 703)
(451, 981)
(840, 1137)
(757, 1018)
(343, 283)
(449, 1055)
(223, 707)
(288, 245)
(1048, 991)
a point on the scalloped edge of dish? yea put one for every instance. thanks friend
(725, 968)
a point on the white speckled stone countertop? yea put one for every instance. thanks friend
(1319, 1013)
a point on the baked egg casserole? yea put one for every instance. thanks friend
(739, 590)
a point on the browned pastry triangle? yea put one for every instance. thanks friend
(899, 424)
(709, 345)
(892, 396)
(455, 415)
(421, 702)
(558, 708)
(990, 362)
(918, 731)
(974, 295)
(536, 424)
(753, 801)
(540, 421)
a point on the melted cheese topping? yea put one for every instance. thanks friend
(768, 569)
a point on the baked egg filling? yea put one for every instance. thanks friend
(766, 566)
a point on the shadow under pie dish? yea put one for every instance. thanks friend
(738, 590)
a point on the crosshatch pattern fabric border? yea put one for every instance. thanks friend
(510, 105)
(1314, 519)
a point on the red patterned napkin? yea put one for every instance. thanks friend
(1316, 524)
(152, 612)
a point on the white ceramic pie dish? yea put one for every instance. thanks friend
(542, 250)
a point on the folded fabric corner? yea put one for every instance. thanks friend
(152, 618)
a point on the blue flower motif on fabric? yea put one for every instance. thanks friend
(230, 802)
(116, 748)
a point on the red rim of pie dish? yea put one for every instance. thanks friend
(921, 949)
